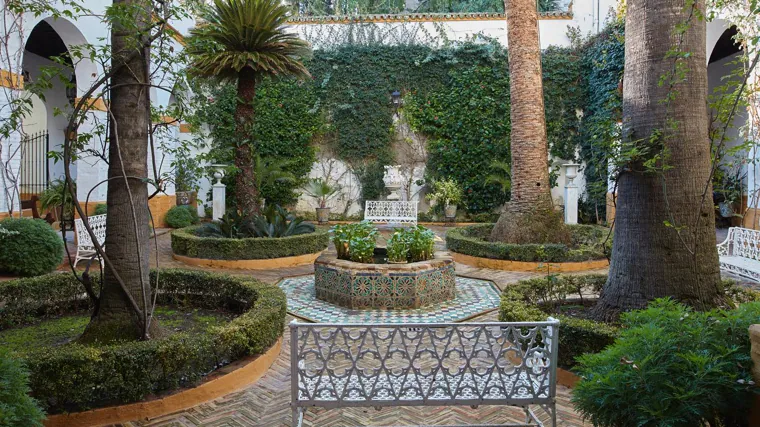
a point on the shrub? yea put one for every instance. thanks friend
(77, 377)
(671, 366)
(181, 216)
(185, 242)
(472, 240)
(100, 209)
(345, 234)
(41, 297)
(523, 302)
(35, 249)
(272, 222)
(17, 408)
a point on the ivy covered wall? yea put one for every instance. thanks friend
(456, 96)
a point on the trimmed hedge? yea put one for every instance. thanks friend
(181, 216)
(78, 377)
(186, 243)
(34, 249)
(520, 303)
(588, 244)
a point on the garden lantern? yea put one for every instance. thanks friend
(396, 98)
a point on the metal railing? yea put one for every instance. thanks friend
(34, 173)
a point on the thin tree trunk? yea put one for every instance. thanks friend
(128, 155)
(246, 193)
(651, 259)
(531, 193)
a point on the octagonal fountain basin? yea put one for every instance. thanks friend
(358, 285)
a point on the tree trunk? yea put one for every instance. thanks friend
(129, 251)
(530, 201)
(246, 193)
(651, 259)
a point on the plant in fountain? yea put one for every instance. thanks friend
(322, 191)
(398, 247)
(420, 243)
(447, 192)
(347, 236)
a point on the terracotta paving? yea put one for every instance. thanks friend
(266, 403)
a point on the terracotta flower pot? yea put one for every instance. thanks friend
(323, 215)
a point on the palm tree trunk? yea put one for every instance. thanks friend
(246, 193)
(531, 193)
(651, 259)
(129, 252)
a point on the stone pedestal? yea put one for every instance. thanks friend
(218, 194)
(571, 193)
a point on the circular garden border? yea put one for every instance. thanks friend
(249, 253)
(468, 246)
(77, 377)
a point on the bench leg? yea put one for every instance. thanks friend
(297, 416)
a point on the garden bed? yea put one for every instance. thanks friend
(248, 253)
(74, 377)
(589, 250)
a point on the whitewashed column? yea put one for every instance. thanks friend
(571, 193)
(219, 194)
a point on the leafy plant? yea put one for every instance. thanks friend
(30, 247)
(17, 409)
(687, 368)
(272, 222)
(321, 190)
(57, 195)
(181, 216)
(271, 172)
(345, 234)
(362, 249)
(445, 191)
(187, 172)
(421, 241)
(501, 175)
(398, 247)
(101, 209)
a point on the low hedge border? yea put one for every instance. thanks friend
(75, 377)
(186, 243)
(522, 302)
(588, 244)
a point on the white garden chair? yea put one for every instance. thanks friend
(85, 247)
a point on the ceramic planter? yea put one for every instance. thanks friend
(450, 211)
(185, 198)
(323, 215)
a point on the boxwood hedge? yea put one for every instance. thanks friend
(588, 244)
(77, 377)
(186, 243)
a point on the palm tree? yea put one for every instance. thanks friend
(246, 41)
(664, 243)
(271, 172)
(501, 175)
(529, 216)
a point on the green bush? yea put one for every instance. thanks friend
(523, 302)
(36, 298)
(671, 366)
(588, 244)
(17, 408)
(101, 209)
(186, 243)
(181, 216)
(77, 377)
(35, 249)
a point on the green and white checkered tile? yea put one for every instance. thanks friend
(473, 297)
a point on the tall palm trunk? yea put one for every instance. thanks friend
(651, 259)
(128, 250)
(531, 193)
(246, 192)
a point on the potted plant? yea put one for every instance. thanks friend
(448, 193)
(57, 200)
(322, 191)
(186, 180)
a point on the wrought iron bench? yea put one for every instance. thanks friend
(424, 364)
(740, 253)
(85, 247)
(391, 212)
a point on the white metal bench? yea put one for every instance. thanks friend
(740, 253)
(85, 247)
(424, 364)
(391, 212)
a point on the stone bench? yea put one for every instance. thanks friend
(740, 253)
(424, 364)
(391, 212)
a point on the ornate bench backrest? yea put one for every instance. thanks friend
(98, 225)
(395, 211)
(338, 365)
(745, 243)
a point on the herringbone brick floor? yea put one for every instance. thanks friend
(267, 402)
